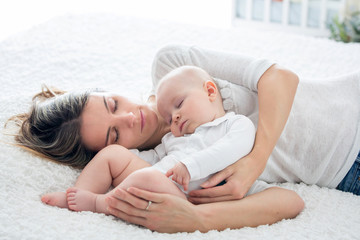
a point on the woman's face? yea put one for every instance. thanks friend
(113, 119)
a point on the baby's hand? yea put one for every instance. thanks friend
(180, 175)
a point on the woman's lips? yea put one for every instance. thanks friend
(142, 120)
(182, 125)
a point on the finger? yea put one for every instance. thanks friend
(131, 219)
(186, 184)
(180, 180)
(149, 196)
(124, 196)
(169, 173)
(124, 207)
(201, 200)
(217, 178)
(211, 192)
(176, 179)
(187, 180)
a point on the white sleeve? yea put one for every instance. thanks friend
(237, 142)
(235, 68)
(151, 156)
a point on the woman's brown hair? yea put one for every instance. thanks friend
(51, 128)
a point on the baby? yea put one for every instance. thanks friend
(203, 140)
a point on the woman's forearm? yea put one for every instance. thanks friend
(169, 213)
(276, 92)
(266, 207)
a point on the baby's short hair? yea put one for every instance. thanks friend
(183, 73)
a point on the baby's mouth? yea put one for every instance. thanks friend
(182, 125)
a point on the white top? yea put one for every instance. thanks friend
(212, 147)
(321, 139)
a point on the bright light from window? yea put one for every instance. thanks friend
(19, 15)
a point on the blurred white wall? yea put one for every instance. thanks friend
(19, 15)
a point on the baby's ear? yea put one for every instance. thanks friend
(211, 90)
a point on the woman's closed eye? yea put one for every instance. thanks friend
(115, 105)
(116, 135)
(114, 108)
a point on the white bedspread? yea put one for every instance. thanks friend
(115, 53)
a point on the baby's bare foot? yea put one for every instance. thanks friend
(81, 200)
(57, 199)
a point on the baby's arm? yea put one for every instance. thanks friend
(235, 144)
(180, 175)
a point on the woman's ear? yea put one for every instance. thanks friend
(211, 90)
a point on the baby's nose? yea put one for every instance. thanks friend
(176, 118)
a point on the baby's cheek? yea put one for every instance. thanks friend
(175, 130)
(192, 128)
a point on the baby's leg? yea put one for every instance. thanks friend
(147, 179)
(151, 180)
(111, 165)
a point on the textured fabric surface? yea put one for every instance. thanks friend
(115, 53)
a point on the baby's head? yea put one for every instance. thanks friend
(187, 97)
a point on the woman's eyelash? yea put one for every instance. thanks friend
(116, 105)
(116, 135)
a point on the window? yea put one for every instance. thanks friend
(304, 16)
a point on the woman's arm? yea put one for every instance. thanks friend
(235, 68)
(276, 89)
(276, 92)
(169, 213)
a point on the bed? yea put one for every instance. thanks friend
(115, 53)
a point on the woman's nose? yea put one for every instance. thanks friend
(127, 119)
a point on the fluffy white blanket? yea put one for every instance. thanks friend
(115, 53)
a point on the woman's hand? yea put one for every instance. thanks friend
(166, 213)
(239, 177)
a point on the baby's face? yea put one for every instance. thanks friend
(184, 106)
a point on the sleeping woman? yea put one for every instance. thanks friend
(305, 132)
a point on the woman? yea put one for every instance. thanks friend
(264, 93)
